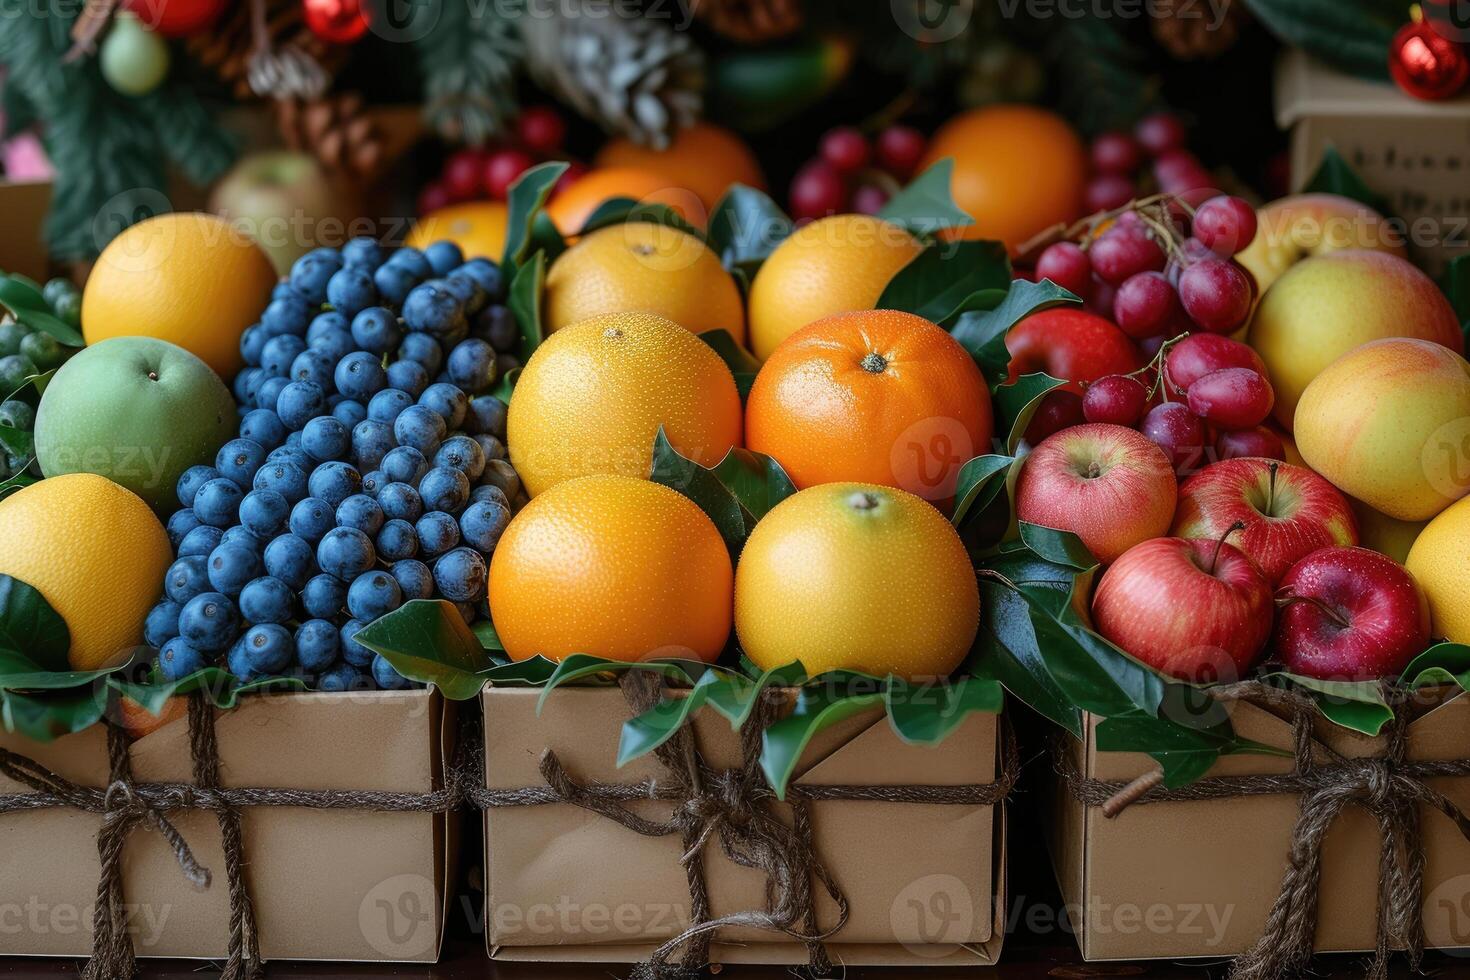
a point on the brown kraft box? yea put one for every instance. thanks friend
(1177, 879)
(326, 884)
(925, 882)
(22, 247)
(1415, 153)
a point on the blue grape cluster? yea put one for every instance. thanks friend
(370, 469)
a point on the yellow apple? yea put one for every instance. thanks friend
(1384, 534)
(1440, 561)
(1302, 225)
(1389, 424)
(1325, 306)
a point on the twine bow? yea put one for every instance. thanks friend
(1390, 787)
(735, 808)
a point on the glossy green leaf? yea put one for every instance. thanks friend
(427, 640)
(1061, 547)
(18, 294)
(926, 714)
(943, 276)
(484, 631)
(736, 697)
(755, 480)
(1184, 753)
(741, 362)
(735, 493)
(1358, 705)
(19, 673)
(1334, 175)
(532, 672)
(505, 386)
(582, 667)
(745, 228)
(1016, 403)
(983, 332)
(624, 210)
(45, 717)
(979, 481)
(1351, 35)
(17, 442)
(29, 626)
(1456, 285)
(645, 732)
(48, 323)
(524, 302)
(527, 196)
(925, 206)
(220, 687)
(1441, 664)
(37, 381)
(816, 709)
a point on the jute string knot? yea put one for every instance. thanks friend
(1389, 787)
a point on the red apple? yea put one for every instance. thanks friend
(1350, 614)
(1070, 344)
(1288, 511)
(1194, 609)
(1106, 484)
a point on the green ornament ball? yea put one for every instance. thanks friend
(133, 59)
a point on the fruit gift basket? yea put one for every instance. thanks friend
(673, 773)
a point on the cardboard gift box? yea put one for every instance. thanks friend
(1198, 878)
(23, 247)
(1415, 153)
(925, 882)
(326, 884)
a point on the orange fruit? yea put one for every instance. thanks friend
(477, 227)
(593, 395)
(876, 396)
(95, 552)
(644, 266)
(856, 577)
(573, 205)
(613, 567)
(137, 721)
(704, 158)
(829, 266)
(1018, 170)
(191, 279)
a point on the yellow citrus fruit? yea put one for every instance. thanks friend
(1439, 560)
(648, 267)
(570, 208)
(95, 552)
(477, 227)
(1018, 170)
(859, 577)
(191, 279)
(704, 158)
(593, 395)
(829, 266)
(614, 567)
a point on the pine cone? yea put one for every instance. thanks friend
(227, 49)
(337, 131)
(634, 76)
(749, 21)
(1191, 30)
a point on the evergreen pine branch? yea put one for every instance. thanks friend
(1101, 79)
(109, 150)
(468, 59)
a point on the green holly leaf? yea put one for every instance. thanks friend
(982, 332)
(735, 494)
(979, 481)
(926, 206)
(1016, 402)
(427, 640)
(745, 228)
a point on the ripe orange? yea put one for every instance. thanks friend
(877, 396)
(95, 552)
(857, 577)
(1018, 170)
(648, 267)
(704, 158)
(572, 206)
(830, 266)
(614, 567)
(477, 227)
(137, 721)
(592, 397)
(191, 279)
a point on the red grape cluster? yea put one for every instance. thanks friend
(486, 172)
(1203, 397)
(1118, 158)
(853, 174)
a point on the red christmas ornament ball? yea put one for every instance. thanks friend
(176, 18)
(1426, 65)
(336, 21)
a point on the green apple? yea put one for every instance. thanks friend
(1389, 424)
(286, 202)
(136, 410)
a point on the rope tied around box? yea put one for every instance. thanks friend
(734, 807)
(1390, 787)
(124, 804)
